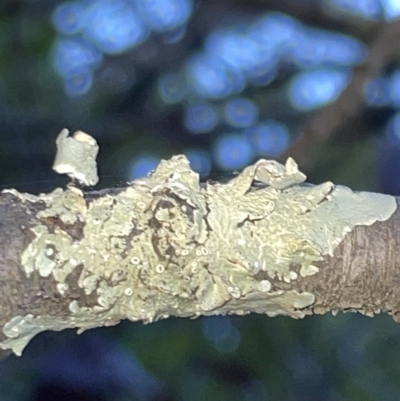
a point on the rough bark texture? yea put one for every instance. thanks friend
(169, 246)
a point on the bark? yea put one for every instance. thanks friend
(166, 245)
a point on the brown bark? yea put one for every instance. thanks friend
(364, 273)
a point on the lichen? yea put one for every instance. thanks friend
(305, 223)
(167, 246)
(76, 156)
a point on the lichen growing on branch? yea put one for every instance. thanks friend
(167, 245)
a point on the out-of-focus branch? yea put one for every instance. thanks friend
(328, 122)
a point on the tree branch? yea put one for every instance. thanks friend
(167, 245)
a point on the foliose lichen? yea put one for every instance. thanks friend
(166, 245)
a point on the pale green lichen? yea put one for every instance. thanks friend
(21, 329)
(36, 256)
(167, 246)
(18, 338)
(70, 205)
(76, 156)
(305, 223)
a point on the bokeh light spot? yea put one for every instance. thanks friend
(164, 15)
(67, 18)
(74, 56)
(232, 151)
(391, 9)
(269, 138)
(262, 74)
(211, 79)
(200, 118)
(312, 89)
(114, 26)
(240, 112)
(322, 48)
(79, 84)
(200, 161)
(142, 166)
(277, 34)
(172, 88)
(236, 49)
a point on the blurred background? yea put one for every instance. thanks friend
(225, 82)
